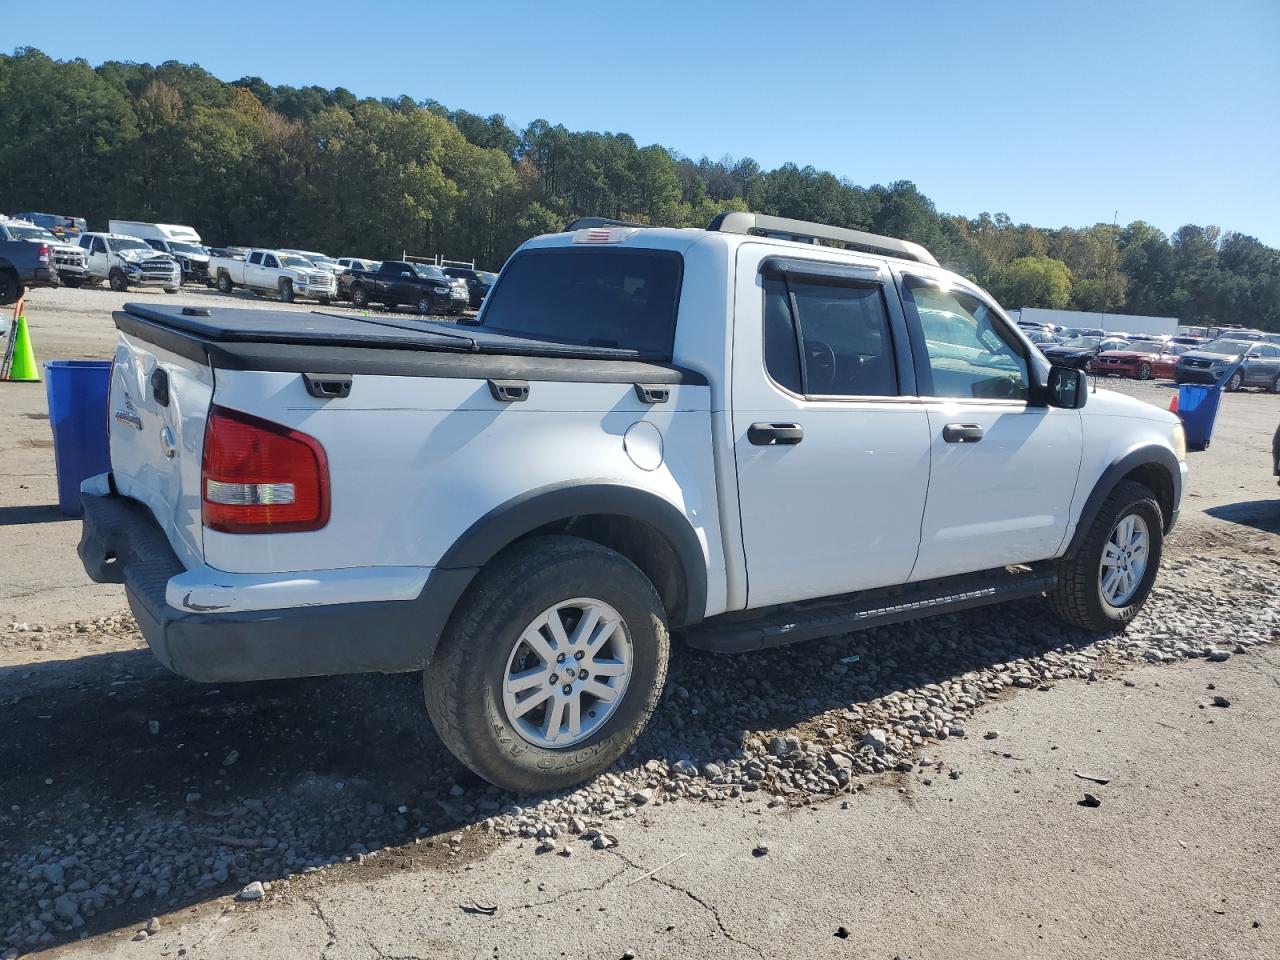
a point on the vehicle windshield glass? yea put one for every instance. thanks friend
(624, 299)
(1082, 342)
(1227, 348)
(428, 272)
(187, 247)
(302, 263)
(31, 233)
(128, 243)
(326, 263)
(487, 277)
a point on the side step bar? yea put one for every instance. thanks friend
(792, 623)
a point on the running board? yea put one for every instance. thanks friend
(792, 623)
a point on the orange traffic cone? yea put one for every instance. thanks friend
(1173, 404)
(21, 355)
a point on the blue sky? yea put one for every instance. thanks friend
(1058, 113)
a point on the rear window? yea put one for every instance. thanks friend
(623, 299)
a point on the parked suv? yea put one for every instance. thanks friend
(1232, 364)
(749, 440)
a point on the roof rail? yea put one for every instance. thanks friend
(584, 223)
(781, 228)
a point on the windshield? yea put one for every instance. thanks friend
(302, 263)
(428, 272)
(1226, 348)
(487, 277)
(1082, 342)
(187, 248)
(602, 297)
(32, 233)
(128, 243)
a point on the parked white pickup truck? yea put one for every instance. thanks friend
(270, 271)
(745, 439)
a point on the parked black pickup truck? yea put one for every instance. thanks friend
(396, 282)
(24, 264)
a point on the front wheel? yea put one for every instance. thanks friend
(170, 289)
(286, 291)
(360, 297)
(324, 301)
(73, 283)
(118, 281)
(424, 306)
(551, 665)
(224, 283)
(1275, 384)
(11, 288)
(1102, 586)
(1235, 382)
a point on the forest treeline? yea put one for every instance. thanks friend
(250, 163)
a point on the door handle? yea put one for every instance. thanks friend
(775, 434)
(962, 433)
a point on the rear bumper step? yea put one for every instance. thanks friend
(874, 608)
(122, 543)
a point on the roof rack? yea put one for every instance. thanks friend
(585, 223)
(802, 231)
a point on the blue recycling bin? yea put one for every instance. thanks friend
(1198, 408)
(78, 391)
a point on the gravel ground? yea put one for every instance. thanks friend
(127, 793)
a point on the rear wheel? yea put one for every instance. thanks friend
(360, 297)
(1102, 586)
(118, 281)
(73, 282)
(1235, 382)
(10, 286)
(550, 666)
(224, 283)
(1144, 371)
(286, 291)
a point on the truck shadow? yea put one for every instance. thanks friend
(1262, 515)
(128, 792)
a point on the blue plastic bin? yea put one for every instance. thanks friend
(78, 392)
(1198, 408)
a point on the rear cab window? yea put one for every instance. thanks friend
(623, 299)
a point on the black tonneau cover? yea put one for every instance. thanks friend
(320, 342)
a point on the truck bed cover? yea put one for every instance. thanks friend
(321, 342)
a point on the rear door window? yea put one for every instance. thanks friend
(828, 339)
(625, 299)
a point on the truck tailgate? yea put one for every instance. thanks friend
(158, 406)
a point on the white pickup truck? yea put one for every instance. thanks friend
(271, 271)
(731, 433)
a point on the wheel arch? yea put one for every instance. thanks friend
(649, 531)
(1154, 466)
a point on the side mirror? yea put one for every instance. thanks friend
(1068, 388)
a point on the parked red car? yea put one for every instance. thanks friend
(1139, 359)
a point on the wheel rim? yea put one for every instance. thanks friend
(424, 306)
(1124, 560)
(1235, 381)
(1144, 372)
(567, 673)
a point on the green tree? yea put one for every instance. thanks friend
(1034, 282)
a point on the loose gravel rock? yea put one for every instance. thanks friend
(269, 782)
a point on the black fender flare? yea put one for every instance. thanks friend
(530, 511)
(1145, 455)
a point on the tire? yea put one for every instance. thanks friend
(1079, 596)
(1275, 384)
(224, 283)
(424, 306)
(1144, 371)
(286, 291)
(171, 289)
(11, 288)
(73, 283)
(324, 301)
(117, 281)
(1234, 382)
(360, 297)
(464, 684)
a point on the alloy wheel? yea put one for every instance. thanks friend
(1124, 560)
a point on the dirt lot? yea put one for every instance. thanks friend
(778, 823)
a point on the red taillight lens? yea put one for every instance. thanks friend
(42, 255)
(260, 477)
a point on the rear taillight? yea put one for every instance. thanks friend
(261, 477)
(42, 255)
